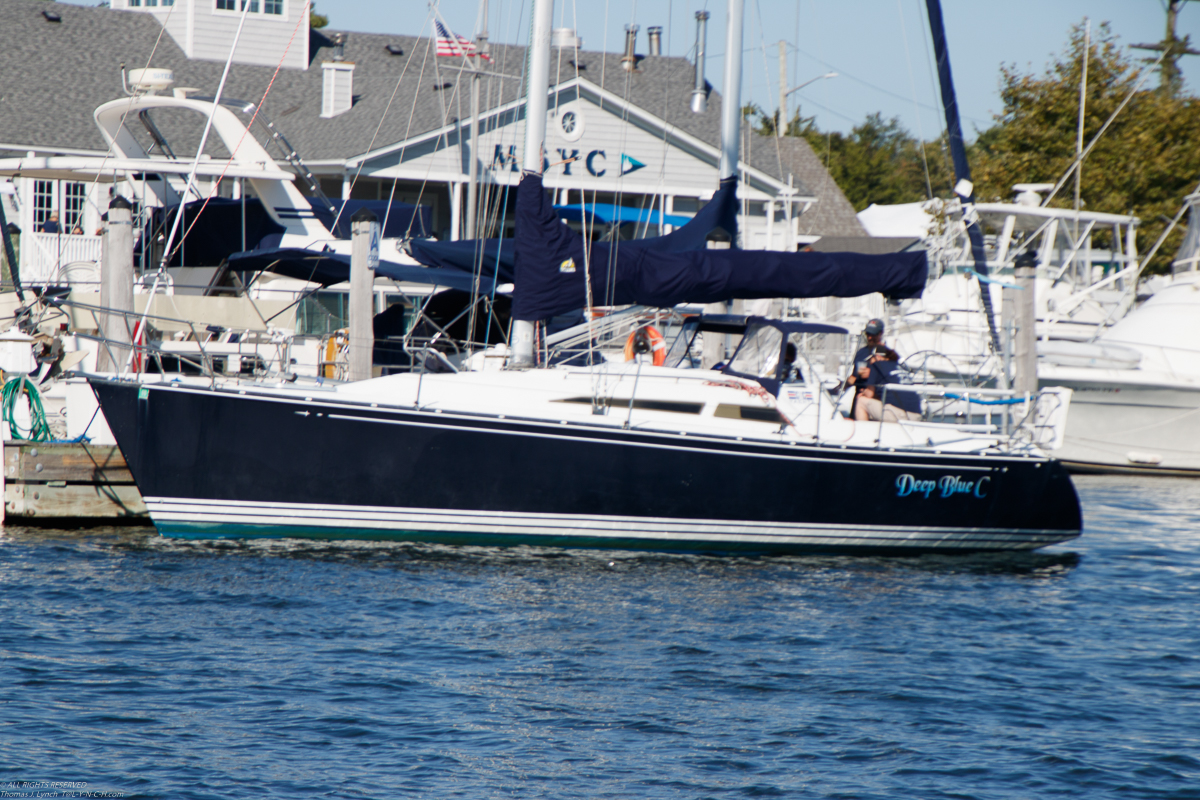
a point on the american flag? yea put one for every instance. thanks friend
(451, 44)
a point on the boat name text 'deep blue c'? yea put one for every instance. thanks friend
(946, 486)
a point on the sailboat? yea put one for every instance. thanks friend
(750, 459)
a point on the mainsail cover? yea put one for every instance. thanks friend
(496, 256)
(551, 258)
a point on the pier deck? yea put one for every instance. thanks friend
(68, 480)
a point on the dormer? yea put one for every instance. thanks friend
(204, 29)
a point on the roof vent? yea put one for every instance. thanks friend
(51, 16)
(655, 34)
(394, 49)
(629, 60)
(700, 93)
(337, 88)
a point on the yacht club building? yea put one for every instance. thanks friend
(375, 116)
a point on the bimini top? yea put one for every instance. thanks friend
(552, 261)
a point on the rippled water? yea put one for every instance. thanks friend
(165, 669)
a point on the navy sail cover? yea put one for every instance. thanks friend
(550, 259)
(496, 257)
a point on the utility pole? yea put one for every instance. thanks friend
(481, 51)
(1174, 48)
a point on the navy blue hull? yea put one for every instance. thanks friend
(221, 463)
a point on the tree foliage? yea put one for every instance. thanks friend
(1144, 164)
(877, 162)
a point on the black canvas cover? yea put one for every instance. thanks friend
(327, 268)
(404, 220)
(498, 255)
(551, 259)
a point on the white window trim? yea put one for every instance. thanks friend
(261, 13)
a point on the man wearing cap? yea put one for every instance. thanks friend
(873, 332)
(874, 365)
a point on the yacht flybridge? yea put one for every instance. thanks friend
(213, 303)
(1086, 278)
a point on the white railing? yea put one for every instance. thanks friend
(45, 256)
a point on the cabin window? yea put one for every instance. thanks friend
(322, 313)
(759, 352)
(752, 413)
(670, 406)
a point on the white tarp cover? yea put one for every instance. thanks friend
(903, 219)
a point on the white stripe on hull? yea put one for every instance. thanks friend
(280, 517)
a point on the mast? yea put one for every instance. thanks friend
(537, 82)
(731, 99)
(962, 171)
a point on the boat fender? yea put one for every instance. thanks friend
(646, 339)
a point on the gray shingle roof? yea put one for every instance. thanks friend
(57, 73)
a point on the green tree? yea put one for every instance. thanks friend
(316, 21)
(877, 162)
(1144, 164)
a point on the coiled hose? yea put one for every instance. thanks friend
(39, 428)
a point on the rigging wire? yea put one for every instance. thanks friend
(912, 82)
(382, 118)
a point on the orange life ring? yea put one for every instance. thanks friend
(655, 340)
(337, 342)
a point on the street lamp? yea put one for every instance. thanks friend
(783, 92)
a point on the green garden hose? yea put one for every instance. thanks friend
(39, 429)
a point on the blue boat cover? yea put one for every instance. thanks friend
(551, 258)
(404, 220)
(609, 213)
(498, 255)
(213, 235)
(328, 268)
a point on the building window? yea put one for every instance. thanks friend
(253, 6)
(273, 6)
(74, 198)
(150, 3)
(43, 202)
(226, 5)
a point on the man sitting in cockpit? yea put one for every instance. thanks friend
(882, 367)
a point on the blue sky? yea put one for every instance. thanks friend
(880, 48)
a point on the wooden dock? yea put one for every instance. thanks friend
(68, 481)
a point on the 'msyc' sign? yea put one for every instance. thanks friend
(596, 162)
